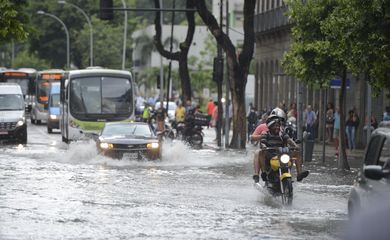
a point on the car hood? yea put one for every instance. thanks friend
(11, 116)
(127, 140)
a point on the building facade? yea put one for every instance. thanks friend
(274, 88)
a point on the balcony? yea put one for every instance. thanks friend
(272, 20)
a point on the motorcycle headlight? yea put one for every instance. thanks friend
(53, 116)
(152, 145)
(106, 146)
(20, 123)
(285, 158)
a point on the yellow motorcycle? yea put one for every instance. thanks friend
(279, 174)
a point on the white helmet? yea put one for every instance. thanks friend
(277, 112)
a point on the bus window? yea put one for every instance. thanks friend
(116, 95)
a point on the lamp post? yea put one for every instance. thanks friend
(90, 29)
(40, 12)
(124, 36)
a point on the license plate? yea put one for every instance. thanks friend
(131, 155)
(3, 133)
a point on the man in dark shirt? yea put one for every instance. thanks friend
(275, 138)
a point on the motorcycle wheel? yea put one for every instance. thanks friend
(196, 139)
(287, 196)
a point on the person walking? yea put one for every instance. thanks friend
(329, 122)
(351, 126)
(214, 119)
(336, 130)
(210, 109)
(311, 118)
(180, 113)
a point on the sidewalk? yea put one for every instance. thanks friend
(355, 157)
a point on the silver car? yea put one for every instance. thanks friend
(372, 185)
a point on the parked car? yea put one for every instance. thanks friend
(13, 125)
(372, 184)
(130, 140)
(171, 109)
(53, 120)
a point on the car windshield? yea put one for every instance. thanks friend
(11, 102)
(127, 129)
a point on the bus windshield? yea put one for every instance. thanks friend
(43, 88)
(23, 82)
(11, 102)
(54, 100)
(100, 95)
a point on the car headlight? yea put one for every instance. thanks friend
(285, 158)
(53, 116)
(20, 123)
(106, 146)
(152, 145)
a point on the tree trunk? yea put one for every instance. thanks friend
(239, 115)
(238, 65)
(182, 55)
(342, 161)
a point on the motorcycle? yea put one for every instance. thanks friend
(279, 182)
(193, 136)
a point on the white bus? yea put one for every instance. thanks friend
(92, 97)
(39, 111)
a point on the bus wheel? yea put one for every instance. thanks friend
(49, 130)
(39, 122)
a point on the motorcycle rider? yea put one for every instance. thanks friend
(274, 137)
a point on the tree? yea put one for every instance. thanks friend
(13, 21)
(367, 24)
(182, 55)
(315, 57)
(26, 59)
(238, 64)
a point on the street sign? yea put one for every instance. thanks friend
(336, 83)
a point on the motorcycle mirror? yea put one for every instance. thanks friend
(298, 141)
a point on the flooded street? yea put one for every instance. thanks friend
(49, 190)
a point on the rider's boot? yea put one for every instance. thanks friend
(302, 175)
(256, 178)
(264, 176)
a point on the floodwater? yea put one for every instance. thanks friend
(49, 190)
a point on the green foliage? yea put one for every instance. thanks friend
(334, 34)
(314, 57)
(13, 21)
(25, 59)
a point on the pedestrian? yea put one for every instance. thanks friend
(351, 126)
(311, 118)
(336, 129)
(180, 113)
(146, 113)
(292, 112)
(214, 119)
(210, 108)
(252, 121)
(329, 122)
(386, 114)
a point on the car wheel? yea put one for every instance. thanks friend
(39, 122)
(32, 120)
(65, 140)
